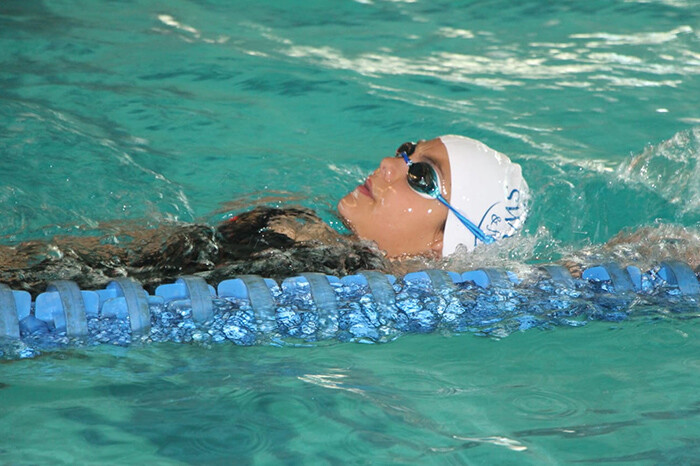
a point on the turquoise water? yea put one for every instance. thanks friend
(144, 111)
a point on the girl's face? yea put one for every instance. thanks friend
(387, 211)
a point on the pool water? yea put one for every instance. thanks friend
(114, 111)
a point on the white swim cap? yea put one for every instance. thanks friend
(487, 188)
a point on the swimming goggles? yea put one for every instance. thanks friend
(424, 180)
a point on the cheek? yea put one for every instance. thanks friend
(410, 212)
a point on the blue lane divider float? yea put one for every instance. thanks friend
(680, 274)
(74, 316)
(490, 277)
(259, 293)
(623, 280)
(559, 274)
(380, 286)
(14, 307)
(65, 306)
(65, 309)
(135, 300)
(195, 289)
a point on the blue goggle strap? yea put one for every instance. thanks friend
(475, 230)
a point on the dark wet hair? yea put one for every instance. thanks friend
(271, 242)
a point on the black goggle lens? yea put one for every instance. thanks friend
(422, 178)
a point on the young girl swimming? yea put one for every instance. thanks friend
(436, 195)
(427, 200)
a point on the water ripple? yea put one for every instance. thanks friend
(541, 404)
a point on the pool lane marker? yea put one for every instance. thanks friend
(136, 303)
(9, 321)
(260, 298)
(322, 292)
(680, 274)
(73, 307)
(65, 307)
(380, 287)
(194, 288)
(559, 274)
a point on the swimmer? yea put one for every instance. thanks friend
(436, 195)
(426, 200)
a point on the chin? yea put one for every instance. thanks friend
(343, 211)
(349, 208)
(343, 214)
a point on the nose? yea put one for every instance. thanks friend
(392, 168)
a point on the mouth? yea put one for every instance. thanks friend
(366, 189)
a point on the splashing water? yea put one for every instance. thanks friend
(670, 169)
